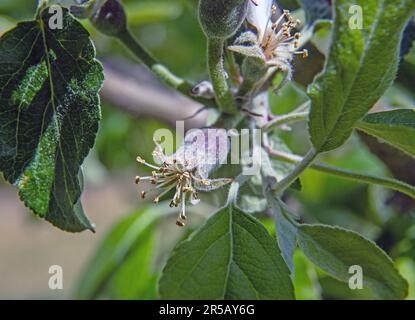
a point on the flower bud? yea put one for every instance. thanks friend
(221, 19)
(110, 18)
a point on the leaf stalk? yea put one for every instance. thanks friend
(386, 182)
(224, 97)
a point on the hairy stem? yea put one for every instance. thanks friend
(302, 165)
(216, 68)
(347, 174)
(303, 107)
(286, 119)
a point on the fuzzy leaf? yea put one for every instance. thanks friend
(362, 64)
(49, 114)
(335, 250)
(396, 127)
(286, 231)
(231, 257)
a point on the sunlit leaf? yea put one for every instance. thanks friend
(305, 280)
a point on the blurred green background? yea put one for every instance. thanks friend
(141, 236)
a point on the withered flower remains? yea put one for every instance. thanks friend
(187, 171)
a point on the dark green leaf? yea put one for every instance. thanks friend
(49, 114)
(361, 66)
(395, 127)
(335, 250)
(231, 257)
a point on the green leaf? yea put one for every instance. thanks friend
(121, 250)
(231, 257)
(286, 231)
(49, 115)
(305, 280)
(335, 250)
(406, 266)
(333, 289)
(396, 127)
(135, 278)
(362, 64)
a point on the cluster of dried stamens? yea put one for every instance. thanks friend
(172, 175)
